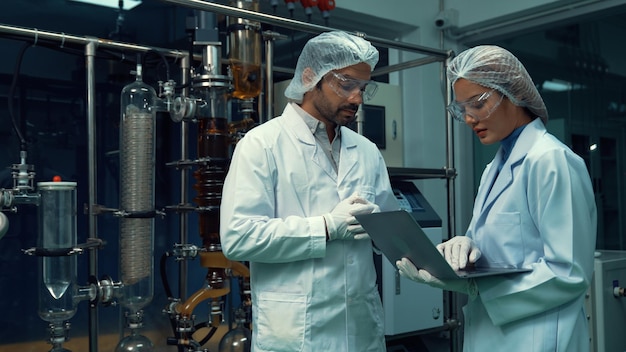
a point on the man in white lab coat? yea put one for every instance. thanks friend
(535, 208)
(292, 189)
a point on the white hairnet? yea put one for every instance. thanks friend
(494, 67)
(324, 53)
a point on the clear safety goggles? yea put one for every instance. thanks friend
(347, 87)
(479, 108)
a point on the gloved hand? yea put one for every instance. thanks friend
(355, 227)
(341, 224)
(408, 270)
(459, 251)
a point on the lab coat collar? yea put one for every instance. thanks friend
(523, 144)
(302, 132)
(349, 153)
(297, 125)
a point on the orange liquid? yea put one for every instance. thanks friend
(246, 79)
(213, 142)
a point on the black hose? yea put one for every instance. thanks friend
(209, 335)
(16, 73)
(163, 270)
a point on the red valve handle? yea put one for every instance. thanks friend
(326, 5)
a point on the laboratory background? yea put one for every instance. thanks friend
(110, 208)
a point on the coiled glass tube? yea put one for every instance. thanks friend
(137, 157)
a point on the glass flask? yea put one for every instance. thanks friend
(134, 343)
(238, 339)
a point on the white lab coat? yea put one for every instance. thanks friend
(541, 212)
(308, 294)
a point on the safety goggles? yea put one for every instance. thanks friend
(478, 109)
(347, 87)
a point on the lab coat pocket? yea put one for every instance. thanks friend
(501, 242)
(368, 314)
(280, 321)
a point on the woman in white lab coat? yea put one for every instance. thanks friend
(286, 206)
(535, 208)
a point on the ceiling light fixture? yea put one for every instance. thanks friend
(557, 85)
(127, 4)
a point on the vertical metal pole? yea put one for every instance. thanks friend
(90, 53)
(184, 178)
(269, 77)
(456, 338)
(453, 301)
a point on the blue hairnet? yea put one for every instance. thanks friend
(494, 67)
(324, 53)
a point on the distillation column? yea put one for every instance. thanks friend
(216, 135)
(209, 107)
(137, 157)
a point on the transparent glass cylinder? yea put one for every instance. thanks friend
(137, 158)
(57, 234)
(245, 52)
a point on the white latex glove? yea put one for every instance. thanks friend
(459, 251)
(341, 224)
(355, 227)
(408, 270)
